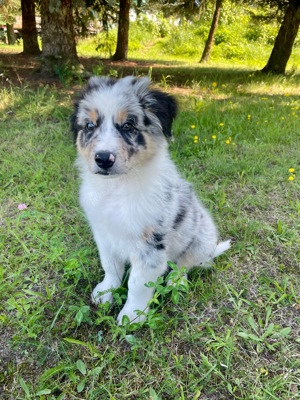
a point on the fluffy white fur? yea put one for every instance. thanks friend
(140, 209)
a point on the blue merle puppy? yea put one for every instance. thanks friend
(140, 209)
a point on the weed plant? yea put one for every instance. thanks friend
(232, 332)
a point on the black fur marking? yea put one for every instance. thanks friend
(180, 216)
(131, 151)
(88, 132)
(147, 120)
(140, 140)
(73, 122)
(75, 128)
(99, 121)
(100, 83)
(157, 241)
(132, 119)
(111, 81)
(184, 206)
(125, 135)
(158, 237)
(130, 133)
(165, 108)
(87, 135)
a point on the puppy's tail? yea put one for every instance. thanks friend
(221, 247)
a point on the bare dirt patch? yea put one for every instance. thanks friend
(18, 69)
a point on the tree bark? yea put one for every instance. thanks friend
(29, 31)
(11, 37)
(138, 8)
(285, 39)
(123, 31)
(58, 38)
(210, 40)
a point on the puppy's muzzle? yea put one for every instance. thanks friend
(105, 159)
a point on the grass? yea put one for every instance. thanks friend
(236, 333)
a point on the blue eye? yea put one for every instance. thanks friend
(90, 126)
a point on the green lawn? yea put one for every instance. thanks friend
(236, 333)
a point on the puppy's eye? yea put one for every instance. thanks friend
(90, 126)
(128, 127)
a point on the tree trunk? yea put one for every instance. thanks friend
(123, 31)
(210, 40)
(11, 37)
(29, 31)
(285, 39)
(138, 8)
(58, 38)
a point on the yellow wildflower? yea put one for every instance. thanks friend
(214, 137)
(214, 84)
(291, 178)
(291, 170)
(196, 139)
(227, 141)
(193, 126)
(264, 371)
(221, 123)
(249, 116)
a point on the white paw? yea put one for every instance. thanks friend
(101, 294)
(132, 313)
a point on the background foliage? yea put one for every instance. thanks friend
(239, 38)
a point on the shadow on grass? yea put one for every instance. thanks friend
(185, 74)
(21, 70)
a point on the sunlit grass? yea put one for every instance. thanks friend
(236, 329)
(145, 46)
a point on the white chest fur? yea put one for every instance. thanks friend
(124, 207)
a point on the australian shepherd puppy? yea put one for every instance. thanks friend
(139, 208)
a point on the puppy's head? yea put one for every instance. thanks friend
(121, 124)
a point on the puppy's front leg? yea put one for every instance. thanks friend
(114, 270)
(138, 294)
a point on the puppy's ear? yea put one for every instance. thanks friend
(161, 104)
(165, 108)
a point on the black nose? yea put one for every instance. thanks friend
(105, 159)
